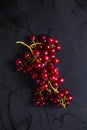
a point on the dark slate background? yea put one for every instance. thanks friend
(66, 20)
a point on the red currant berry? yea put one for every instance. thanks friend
(18, 62)
(60, 80)
(44, 86)
(65, 91)
(52, 78)
(45, 58)
(60, 95)
(34, 75)
(69, 97)
(58, 48)
(19, 68)
(52, 50)
(47, 47)
(45, 52)
(44, 75)
(49, 40)
(36, 52)
(28, 68)
(43, 38)
(26, 55)
(55, 41)
(55, 60)
(55, 84)
(52, 55)
(32, 37)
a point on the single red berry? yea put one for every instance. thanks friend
(47, 47)
(44, 75)
(52, 78)
(55, 60)
(44, 86)
(49, 40)
(36, 52)
(58, 48)
(19, 68)
(26, 55)
(55, 84)
(69, 97)
(32, 37)
(43, 38)
(52, 55)
(45, 58)
(60, 95)
(28, 68)
(52, 50)
(55, 41)
(45, 52)
(65, 91)
(18, 62)
(34, 75)
(60, 80)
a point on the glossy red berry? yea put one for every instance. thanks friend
(69, 97)
(18, 62)
(49, 40)
(32, 37)
(55, 60)
(60, 80)
(65, 91)
(44, 75)
(55, 41)
(36, 52)
(26, 55)
(45, 58)
(44, 86)
(43, 38)
(52, 78)
(60, 95)
(58, 48)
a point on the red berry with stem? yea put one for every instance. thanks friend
(32, 37)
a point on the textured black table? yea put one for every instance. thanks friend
(67, 20)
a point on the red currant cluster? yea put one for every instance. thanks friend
(41, 62)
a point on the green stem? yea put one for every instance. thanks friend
(55, 90)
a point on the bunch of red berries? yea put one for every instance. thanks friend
(41, 62)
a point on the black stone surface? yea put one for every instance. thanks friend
(67, 20)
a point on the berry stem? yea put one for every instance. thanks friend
(63, 104)
(55, 90)
(19, 42)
